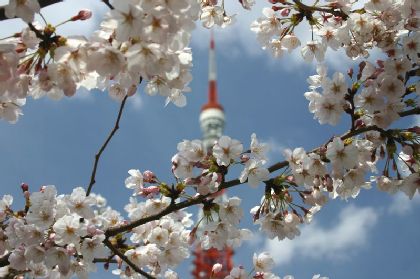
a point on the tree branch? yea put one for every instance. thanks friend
(42, 3)
(413, 111)
(126, 260)
(104, 145)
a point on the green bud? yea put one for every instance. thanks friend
(278, 180)
(164, 190)
(407, 135)
(411, 102)
(180, 187)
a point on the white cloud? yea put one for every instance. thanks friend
(402, 205)
(136, 101)
(334, 243)
(275, 152)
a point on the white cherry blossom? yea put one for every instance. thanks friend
(226, 150)
(25, 9)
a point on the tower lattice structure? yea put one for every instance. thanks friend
(212, 122)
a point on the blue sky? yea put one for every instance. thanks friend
(374, 236)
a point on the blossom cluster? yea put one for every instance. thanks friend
(161, 244)
(136, 40)
(54, 235)
(391, 26)
(57, 236)
(203, 172)
(376, 96)
(214, 13)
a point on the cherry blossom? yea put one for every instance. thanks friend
(23, 9)
(226, 149)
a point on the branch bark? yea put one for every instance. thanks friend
(104, 145)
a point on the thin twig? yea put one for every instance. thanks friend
(126, 259)
(106, 2)
(38, 33)
(413, 111)
(104, 145)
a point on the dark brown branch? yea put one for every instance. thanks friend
(106, 2)
(413, 111)
(126, 260)
(103, 260)
(42, 3)
(104, 145)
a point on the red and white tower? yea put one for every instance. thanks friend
(212, 117)
(212, 122)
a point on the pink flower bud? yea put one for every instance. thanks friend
(149, 177)
(24, 186)
(359, 123)
(131, 90)
(415, 129)
(82, 15)
(285, 12)
(149, 192)
(290, 178)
